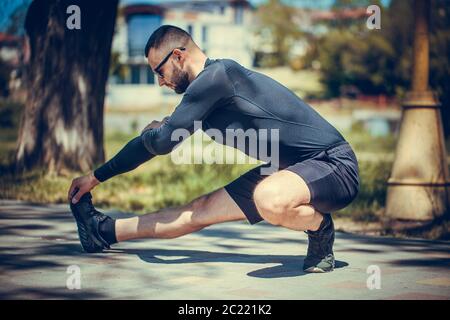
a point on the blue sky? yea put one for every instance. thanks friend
(7, 8)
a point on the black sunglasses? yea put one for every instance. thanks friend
(165, 60)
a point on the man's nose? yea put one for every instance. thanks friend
(161, 81)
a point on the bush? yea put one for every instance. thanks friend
(372, 194)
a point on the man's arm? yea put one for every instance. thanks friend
(130, 157)
(202, 96)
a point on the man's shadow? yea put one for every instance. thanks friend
(287, 265)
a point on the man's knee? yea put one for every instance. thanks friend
(271, 203)
(275, 200)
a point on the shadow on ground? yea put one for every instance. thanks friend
(287, 265)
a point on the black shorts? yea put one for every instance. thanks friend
(332, 177)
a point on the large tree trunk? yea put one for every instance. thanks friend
(65, 77)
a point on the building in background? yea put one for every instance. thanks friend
(222, 29)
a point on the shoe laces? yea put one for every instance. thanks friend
(100, 216)
(91, 208)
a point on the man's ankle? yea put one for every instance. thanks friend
(108, 230)
(324, 218)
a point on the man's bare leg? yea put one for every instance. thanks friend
(212, 208)
(284, 199)
(288, 207)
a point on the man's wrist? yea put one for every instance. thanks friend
(94, 178)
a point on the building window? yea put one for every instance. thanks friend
(150, 76)
(238, 15)
(135, 74)
(204, 34)
(141, 74)
(139, 27)
(189, 29)
(222, 10)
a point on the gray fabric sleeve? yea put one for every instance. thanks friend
(207, 92)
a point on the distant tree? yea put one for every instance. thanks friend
(360, 60)
(380, 61)
(399, 33)
(277, 21)
(340, 6)
(440, 57)
(62, 125)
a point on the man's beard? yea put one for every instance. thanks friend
(181, 80)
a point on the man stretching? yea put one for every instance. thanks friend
(317, 171)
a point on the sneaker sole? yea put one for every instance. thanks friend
(317, 270)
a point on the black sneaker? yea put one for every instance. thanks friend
(88, 220)
(320, 256)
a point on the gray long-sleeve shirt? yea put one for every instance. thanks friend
(224, 96)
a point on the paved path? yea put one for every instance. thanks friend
(228, 261)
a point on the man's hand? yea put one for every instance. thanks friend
(154, 124)
(80, 186)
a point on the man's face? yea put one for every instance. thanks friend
(171, 73)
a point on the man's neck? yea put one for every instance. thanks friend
(197, 66)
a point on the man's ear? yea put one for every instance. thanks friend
(180, 59)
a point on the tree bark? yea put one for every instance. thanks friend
(65, 76)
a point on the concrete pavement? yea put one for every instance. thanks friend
(38, 243)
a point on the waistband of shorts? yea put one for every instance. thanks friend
(341, 145)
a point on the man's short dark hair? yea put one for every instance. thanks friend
(169, 36)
